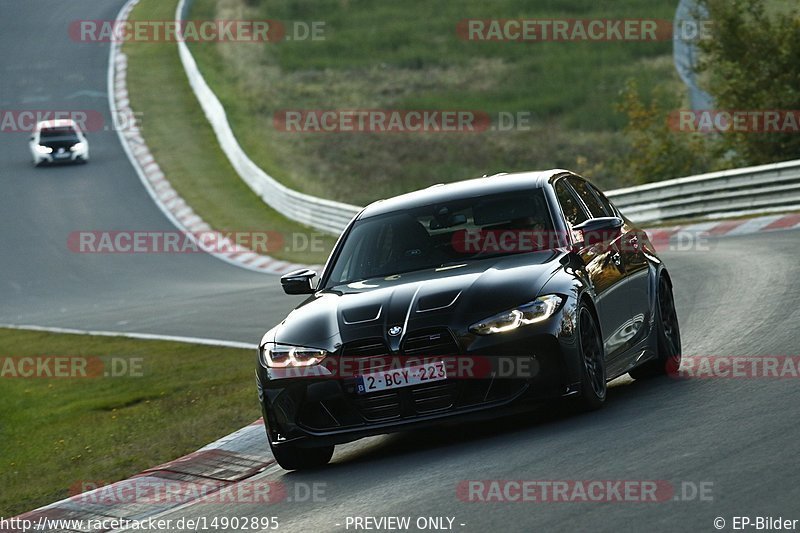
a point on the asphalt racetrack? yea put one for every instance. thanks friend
(43, 282)
(735, 438)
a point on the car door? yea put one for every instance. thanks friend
(603, 265)
(634, 261)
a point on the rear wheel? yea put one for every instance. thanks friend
(668, 336)
(291, 457)
(593, 375)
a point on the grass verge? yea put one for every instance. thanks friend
(408, 55)
(57, 432)
(183, 143)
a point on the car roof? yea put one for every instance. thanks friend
(59, 123)
(495, 184)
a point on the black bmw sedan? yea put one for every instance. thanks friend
(462, 301)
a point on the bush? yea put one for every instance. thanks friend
(657, 152)
(751, 61)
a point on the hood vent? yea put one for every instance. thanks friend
(434, 302)
(359, 315)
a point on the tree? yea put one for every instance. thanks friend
(656, 150)
(750, 60)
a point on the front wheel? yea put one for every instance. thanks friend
(668, 334)
(593, 362)
(292, 457)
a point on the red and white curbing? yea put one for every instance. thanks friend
(212, 469)
(673, 237)
(156, 183)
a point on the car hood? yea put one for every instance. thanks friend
(454, 296)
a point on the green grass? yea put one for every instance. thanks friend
(185, 147)
(56, 432)
(407, 55)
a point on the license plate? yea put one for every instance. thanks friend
(62, 156)
(401, 377)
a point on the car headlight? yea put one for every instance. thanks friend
(44, 149)
(77, 147)
(284, 356)
(538, 310)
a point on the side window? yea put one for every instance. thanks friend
(610, 209)
(573, 211)
(589, 198)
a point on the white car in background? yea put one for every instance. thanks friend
(58, 141)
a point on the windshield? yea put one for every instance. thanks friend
(435, 235)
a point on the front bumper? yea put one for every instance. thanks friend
(57, 158)
(518, 370)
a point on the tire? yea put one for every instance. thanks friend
(293, 458)
(593, 368)
(668, 337)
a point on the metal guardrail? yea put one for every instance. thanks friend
(764, 188)
(728, 193)
(318, 213)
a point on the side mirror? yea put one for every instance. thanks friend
(598, 230)
(298, 282)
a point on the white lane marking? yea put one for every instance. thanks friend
(88, 94)
(141, 336)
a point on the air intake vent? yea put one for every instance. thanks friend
(365, 348)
